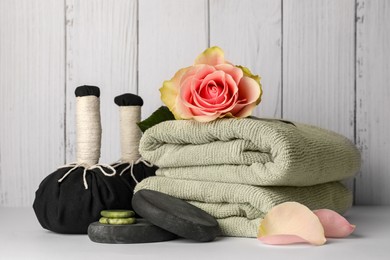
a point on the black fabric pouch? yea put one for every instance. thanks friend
(140, 172)
(68, 207)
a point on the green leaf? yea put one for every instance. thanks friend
(160, 115)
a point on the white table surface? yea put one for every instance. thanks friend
(21, 237)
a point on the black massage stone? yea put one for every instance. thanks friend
(141, 232)
(175, 215)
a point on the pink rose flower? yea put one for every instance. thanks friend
(212, 88)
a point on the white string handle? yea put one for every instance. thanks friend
(88, 130)
(88, 138)
(74, 166)
(131, 167)
(130, 132)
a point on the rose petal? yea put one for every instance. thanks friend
(170, 90)
(243, 110)
(334, 224)
(207, 118)
(203, 71)
(248, 93)
(249, 90)
(184, 100)
(224, 85)
(218, 78)
(207, 101)
(168, 93)
(211, 56)
(282, 239)
(204, 112)
(181, 111)
(190, 73)
(223, 99)
(249, 74)
(292, 218)
(212, 91)
(186, 93)
(234, 72)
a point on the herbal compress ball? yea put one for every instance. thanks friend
(131, 166)
(71, 198)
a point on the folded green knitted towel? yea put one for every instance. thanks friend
(249, 151)
(238, 208)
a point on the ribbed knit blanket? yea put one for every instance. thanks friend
(249, 151)
(239, 208)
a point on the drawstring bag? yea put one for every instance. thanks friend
(131, 167)
(71, 198)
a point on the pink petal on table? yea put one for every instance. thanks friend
(334, 224)
(293, 219)
(282, 239)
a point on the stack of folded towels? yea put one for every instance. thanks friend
(238, 169)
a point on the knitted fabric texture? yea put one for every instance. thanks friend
(239, 208)
(249, 151)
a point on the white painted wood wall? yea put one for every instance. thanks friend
(323, 62)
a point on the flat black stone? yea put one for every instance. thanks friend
(141, 232)
(175, 215)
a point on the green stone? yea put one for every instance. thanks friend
(117, 221)
(118, 213)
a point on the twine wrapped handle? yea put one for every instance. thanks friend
(88, 133)
(130, 134)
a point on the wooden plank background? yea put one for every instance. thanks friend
(32, 102)
(101, 50)
(373, 101)
(322, 62)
